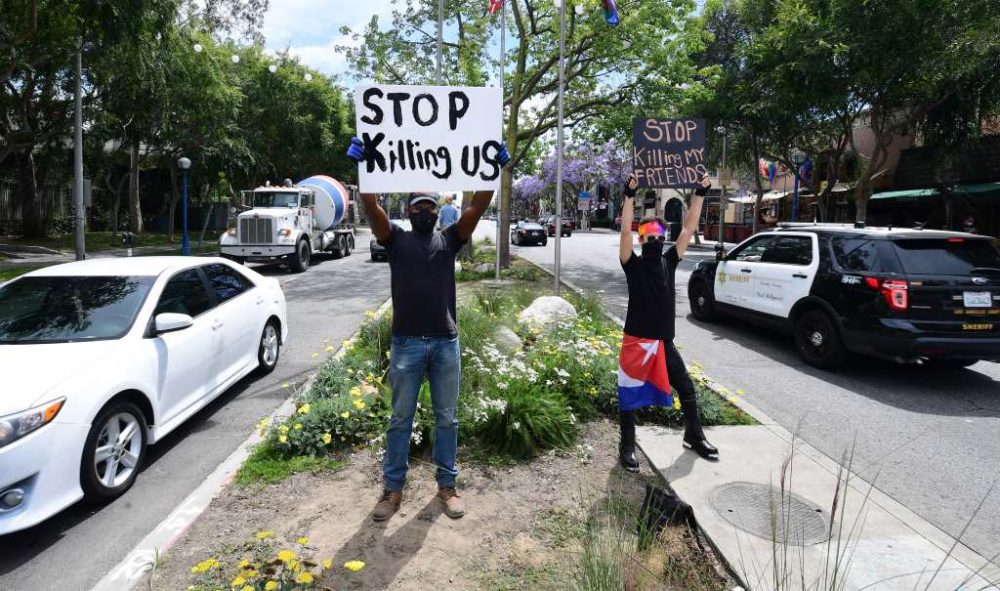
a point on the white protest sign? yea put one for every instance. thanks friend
(428, 138)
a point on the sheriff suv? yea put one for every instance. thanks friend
(911, 296)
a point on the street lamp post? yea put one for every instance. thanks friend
(184, 164)
(797, 158)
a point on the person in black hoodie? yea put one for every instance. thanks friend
(651, 313)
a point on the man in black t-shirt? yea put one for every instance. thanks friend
(424, 334)
(651, 314)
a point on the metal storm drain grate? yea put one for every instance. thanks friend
(760, 510)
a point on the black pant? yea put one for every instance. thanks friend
(681, 383)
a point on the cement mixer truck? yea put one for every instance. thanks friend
(291, 223)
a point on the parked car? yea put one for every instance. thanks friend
(524, 233)
(900, 294)
(567, 226)
(378, 252)
(102, 358)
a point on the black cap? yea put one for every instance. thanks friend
(418, 197)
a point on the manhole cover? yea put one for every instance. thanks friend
(750, 506)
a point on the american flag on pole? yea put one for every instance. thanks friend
(495, 5)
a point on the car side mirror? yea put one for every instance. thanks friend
(172, 322)
(720, 251)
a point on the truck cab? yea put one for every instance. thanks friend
(281, 223)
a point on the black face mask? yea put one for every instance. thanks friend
(423, 221)
(652, 251)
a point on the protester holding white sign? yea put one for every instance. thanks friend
(412, 136)
(437, 138)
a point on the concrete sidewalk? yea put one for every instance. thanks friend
(737, 501)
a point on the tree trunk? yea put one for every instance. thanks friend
(134, 203)
(758, 184)
(26, 189)
(503, 217)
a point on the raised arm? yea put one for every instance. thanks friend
(628, 214)
(693, 215)
(377, 218)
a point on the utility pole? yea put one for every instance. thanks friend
(503, 64)
(560, 141)
(440, 39)
(81, 247)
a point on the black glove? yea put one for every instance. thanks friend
(702, 190)
(630, 192)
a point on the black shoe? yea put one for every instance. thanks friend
(703, 448)
(626, 455)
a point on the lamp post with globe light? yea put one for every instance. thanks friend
(797, 159)
(184, 164)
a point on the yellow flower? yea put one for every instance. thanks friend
(329, 348)
(359, 404)
(239, 581)
(293, 565)
(355, 392)
(302, 541)
(244, 563)
(263, 535)
(346, 344)
(298, 426)
(304, 409)
(354, 565)
(369, 314)
(286, 556)
(315, 355)
(283, 428)
(327, 438)
(271, 586)
(328, 564)
(283, 439)
(247, 588)
(304, 578)
(733, 399)
(740, 392)
(252, 574)
(285, 385)
(677, 403)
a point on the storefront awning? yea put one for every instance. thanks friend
(770, 196)
(981, 190)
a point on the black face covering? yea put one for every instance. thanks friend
(423, 221)
(651, 256)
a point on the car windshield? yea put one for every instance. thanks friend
(953, 256)
(67, 309)
(275, 199)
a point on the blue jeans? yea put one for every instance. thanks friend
(410, 360)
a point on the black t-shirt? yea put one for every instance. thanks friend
(651, 296)
(423, 282)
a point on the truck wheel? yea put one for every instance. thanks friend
(300, 260)
(350, 242)
(348, 246)
(818, 341)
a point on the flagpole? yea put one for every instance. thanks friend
(503, 63)
(560, 141)
(440, 39)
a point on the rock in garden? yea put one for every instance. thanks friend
(483, 268)
(546, 310)
(507, 340)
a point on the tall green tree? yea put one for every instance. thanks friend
(605, 66)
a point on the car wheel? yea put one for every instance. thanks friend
(818, 341)
(114, 452)
(702, 306)
(269, 348)
(545, 242)
(300, 261)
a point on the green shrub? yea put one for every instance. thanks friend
(532, 419)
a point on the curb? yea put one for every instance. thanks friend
(151, 549)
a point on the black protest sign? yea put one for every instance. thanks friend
(669, 153)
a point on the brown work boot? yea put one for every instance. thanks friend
(387, 505)
(454, 506)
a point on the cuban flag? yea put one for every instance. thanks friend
(642, 374)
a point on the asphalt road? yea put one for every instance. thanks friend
(74, 549)
(930, 439)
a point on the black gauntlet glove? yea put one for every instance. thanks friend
(629, 192)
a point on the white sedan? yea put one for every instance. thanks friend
(101, 358)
